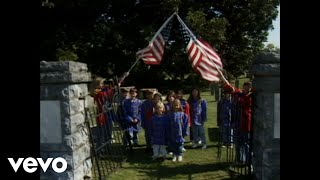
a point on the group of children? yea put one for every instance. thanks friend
(166, 124)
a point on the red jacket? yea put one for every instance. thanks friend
(100, 99)
(186, 108)
(246, 102)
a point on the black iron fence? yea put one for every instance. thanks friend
(234, 144)
(108, 140)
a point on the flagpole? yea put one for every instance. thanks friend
(127, 73)
(193, 37)
(163, 25)
(138, 58)
(160, 29)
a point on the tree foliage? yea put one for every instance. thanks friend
(271, 48)
(107, 34)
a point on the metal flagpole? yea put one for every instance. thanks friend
(138, 58)
(163, 25)
(127, 73)
(194, 37)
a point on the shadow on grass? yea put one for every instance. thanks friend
(189, 146)
(186, 169)
(159, 171)
(214, 134)
(247, 177)
(139, 155)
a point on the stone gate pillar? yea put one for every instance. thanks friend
(62, 129)
(266, 125)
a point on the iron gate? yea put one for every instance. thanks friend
(108, 141)
(234, 146)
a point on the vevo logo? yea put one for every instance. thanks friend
(30, 164)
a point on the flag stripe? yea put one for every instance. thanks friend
(209, 63)
(209, 78)
(209, 68)
(158, 47)
(194, 53)
(149, 58)
(208, 48)
(196, 57)
(211, 53)
(154, 52)
(204, 71)
(204, 59)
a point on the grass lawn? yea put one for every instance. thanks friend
(196, 164)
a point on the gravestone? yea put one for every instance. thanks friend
(62, 119)
(266, 124)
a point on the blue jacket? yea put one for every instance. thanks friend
(159, 129)
(225, 112)
(168, 107)
(198, 111)
(146, 115)
(131, 110)
(178, 127)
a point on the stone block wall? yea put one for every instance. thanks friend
(63, 132)
(266, 133)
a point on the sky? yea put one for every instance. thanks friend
(274, 35)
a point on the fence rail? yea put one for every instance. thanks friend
(234, 145)
(108, 140)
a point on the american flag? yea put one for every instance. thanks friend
(204, 59)
(153, 53)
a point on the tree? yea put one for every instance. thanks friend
(271, 48)
(247, 29)
(107, 34)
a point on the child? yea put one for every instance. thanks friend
(168, 106)
(157, 97)
(131, 108)
(184, 103)
(198, 115)
(146, 118)
(244, 100)
(178, 129)
(124, 94)
(100, 97)
(170, 98)
(225, 106)
(186, 109)
(123, 123)
(159, 132)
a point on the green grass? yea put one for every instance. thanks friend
(196, 164)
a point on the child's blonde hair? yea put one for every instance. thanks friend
(158, 106)
(178, 102)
